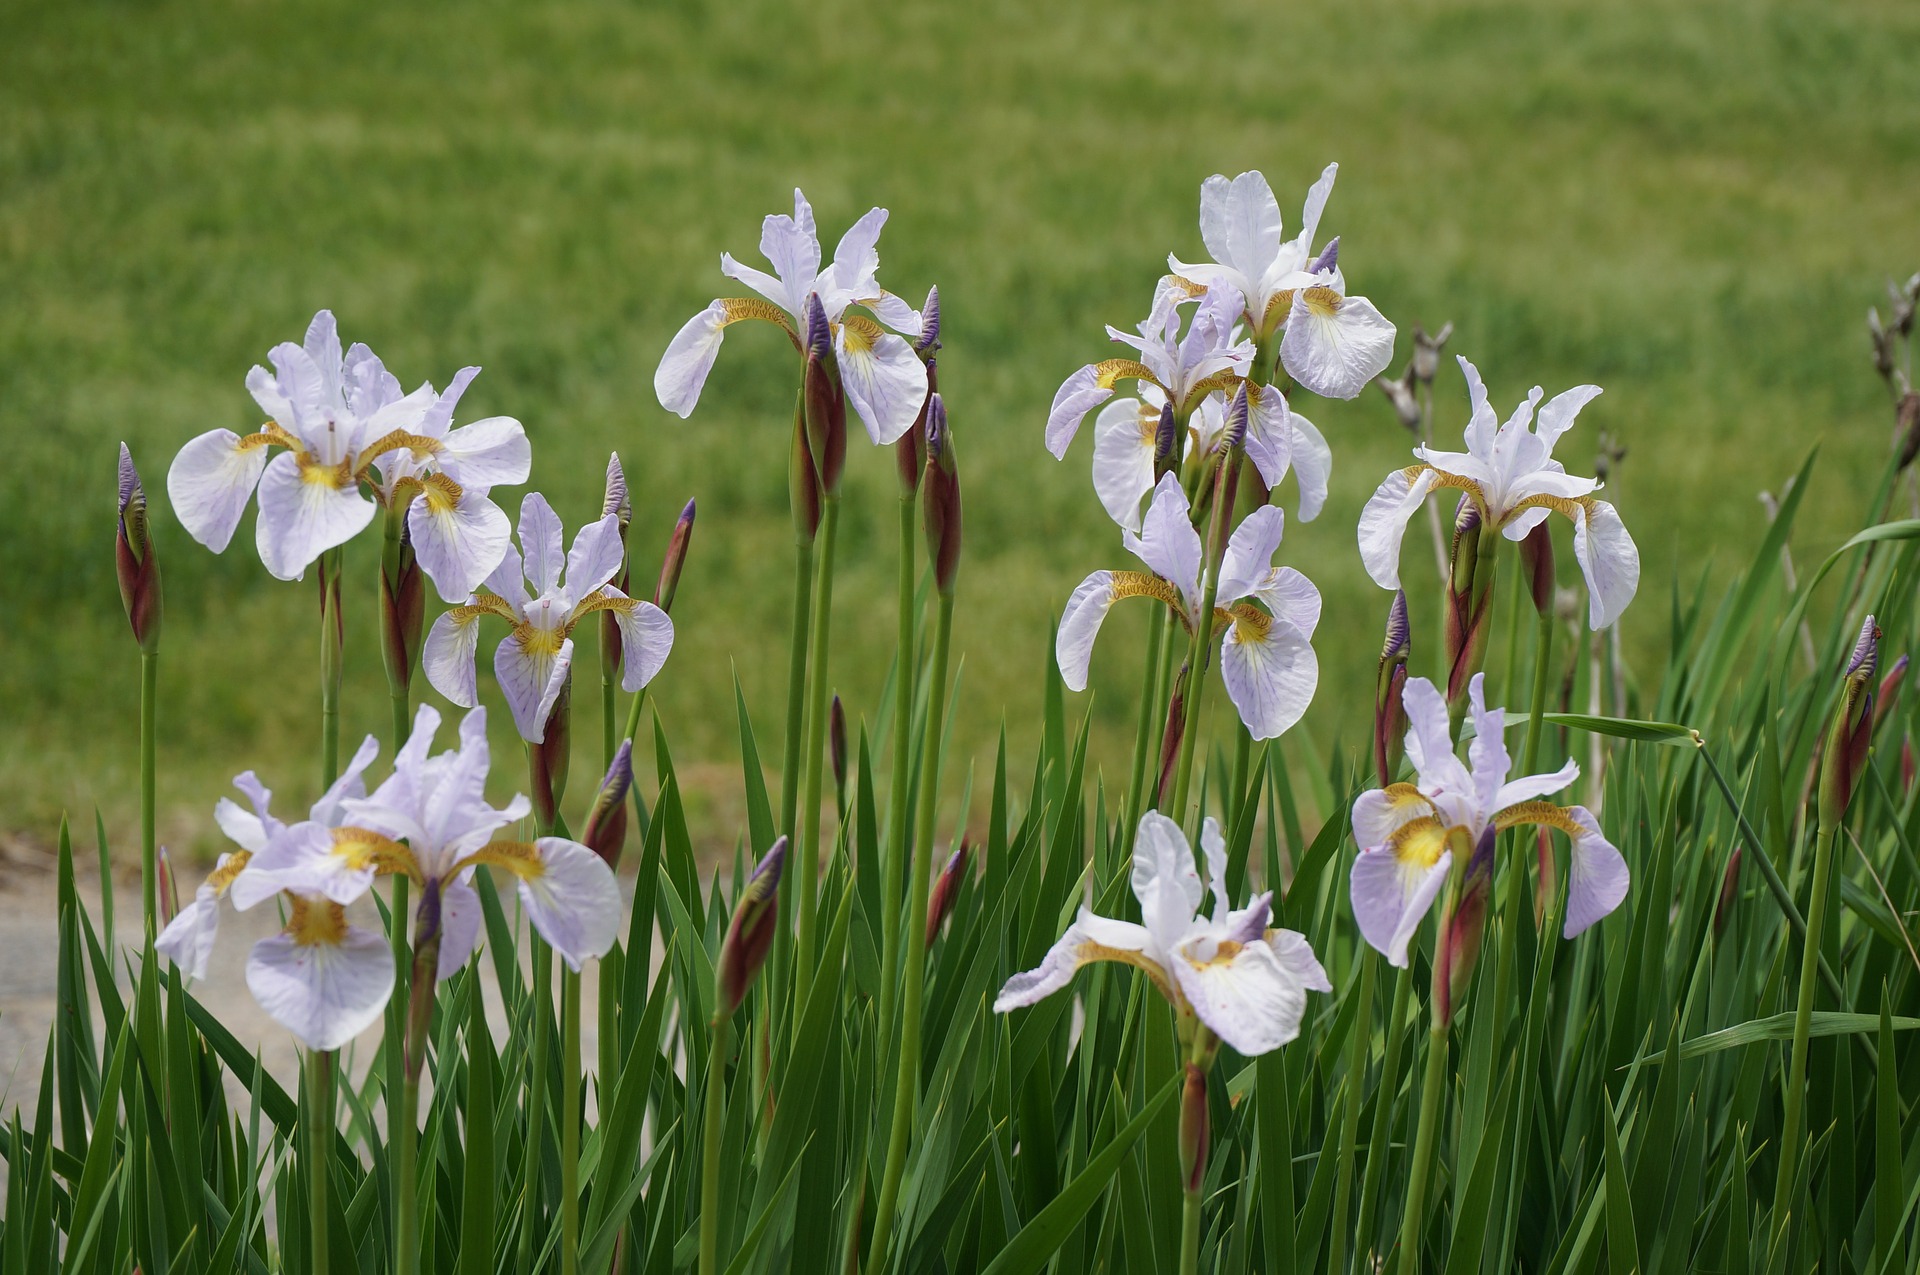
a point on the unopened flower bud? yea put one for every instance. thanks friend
(825, 402)
(1902, 297)
(1426, 351)
(1464, 931)
(1546, 883)
(1389, 688)
(1609, 452)
(403, 610)
(1469, 600)
(1536, 559)
(1233, 436)
(1852, 729)
(1888, 696)
(1194, 1130)
(1166, 443)
(134, 560)
(547, 760)
(837, 751)
(756, 915)
(929, 339)
(1729, 893)
(1399, 392)
(427, 933)
(1170, 737)
(164, 884)
(1328, 259)
(606, 830)
(675, 559)
(617, 502)
(942, 513)
(946, 889)
(910, 449)
(803, 482)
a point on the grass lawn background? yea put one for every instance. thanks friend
(1691, 205)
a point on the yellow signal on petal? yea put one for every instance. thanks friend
(1089, 951)
(1420, 843)
(522, 858)
(441, 493)
(316, 922)
(1138, 584)
(1110, 372)
(312, 471)
(363, 848)
(1323, 303)
(223, 875)
(1543, 814)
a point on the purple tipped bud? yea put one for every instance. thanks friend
(803, 483)
(1852, 730)
(1253, 925)
(910, 449)
(1389, 710)
(946, 889)
(1546, 882)
(929, 325)
(1166, 443)
(1329, 257)
(1193, 1129)
(403, 610)
(1234, 436)
(1170, 737)
(1469, 601)
(756, 916)
(163, 882)
(942, 486)
(675, 559)
(837, 750)
(606, 830)
(819, 331)
(135, 564)
(617, 501)
(1536, 559)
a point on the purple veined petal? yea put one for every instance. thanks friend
(1383, 523)
(1077, 395)
(1209, 274)
(1123, 445)
(885, 381)
(324, 992)
(1270, 433)
(1291, 949)
(572, 900)
(1312, 465)
(509, 580)
(1249, 1000)
(1291, 597)
(689, 357)
(1079, 625)
(1380, 812)
(449, 654)
(305, 859)
(1533, 787)
(1165, 881)
(301, 519)
(394, 808)
(458, 543)
(492, 452)
(456, 809)
(856, 258)
(1335, 345)
(1240, 222)
(596, 556)
(646, 639)
(322, 345)
(1391, 897)
(1609, 560)
(895, 312)
(1167, 541)
(1090, 938)
(243, 827)
(1213, 847)
(264, 386)
(350, 786)
(1557, 416)
(543, 543)
(210, 483)
(1271, 673)
(460, 917)
(1249, 557)
(439, 415)
(1314, 206)
(1487, 754)
(773, 289)
(1597, 879)
(188, 939)
(530, 676)
(1483, 424)
(792, 245)
(1429, 740)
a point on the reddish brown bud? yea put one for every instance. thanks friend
(946, 889)
(942, 483)
(803, 481)
(1852, 729)
(1907, 422)
(403, 611)
(1888, 696)
(824, 401)
(1389, 708)
(165, 885)
(134, 561)
(1194, 1131)
(837, 751)
(548, 760)
(1546, 883)
(1469, 599)
(1463, 932)
(675, 559)
(1170, 737)
(1729, 893)
(1536, 559)
(606, 830)
(910, 450)
(756, 916)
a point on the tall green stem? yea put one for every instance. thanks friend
(569, 1122)
(1223, 493)
(1360, 1038)
(1414, 1224)
(1371, 1184)
(332, 638)
(1190, 1232)
(1143, 736)
(1515, 898)
(710, 1137)
(539, 989)
(319, 1139)
(796, 686)
(1790, 1136)
(906, 1088)
(809, 874)
(149, 866)
(894, 861)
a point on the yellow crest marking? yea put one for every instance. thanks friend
(399, 440)
(337, 477)
(522, 858)
(737, 309)
(1543, 814)
(1089, 951)
(1110, 372)
(441, 493)
(1574, 507)
(1323, 302)
(314, 922)
(223, 875)
(600, 602)
(1419, 843)
(363, 847)
(1138, 584)
(483, 604)
(859, 334)
(538, 641)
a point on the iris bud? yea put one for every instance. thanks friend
(1729, 893)
(1463, 932)
(946, 889)
(824, 403)
(750, 934)
(1328, 259)
(1166, 444)
(803, 481)
(548, 759)
(675, 559)
(1193, 1129)
(135, 564)
(1406, 405)
(837, 751)
(942, 513)
(619, 504)
(403, 610)
(1536, 559)
(1469, 600)
(606, 830)
(1389, 708)
(929, 339)
(1170, 738)
(1852, 728)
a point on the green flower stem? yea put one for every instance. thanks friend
(540, 988)
(569, 1122)
(149, 866)
(711, 1129)
(1370, 1185)
(796, 685)
(1516, 896)
(1358, 1047)
(1413, 1224)
(893, 862)
(1791, 1128)
(609, 713)
(907, 1083)
(1242, 765)
(1190, 1232)
(816, 736)
(402, 1131)
(319, 1134)
(1143, 736)
(1225, 485)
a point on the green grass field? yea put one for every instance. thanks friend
(1689, 204)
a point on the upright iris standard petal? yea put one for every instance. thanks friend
(211, 481)
(1167, 541)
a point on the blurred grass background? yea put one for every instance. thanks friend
(1691, 204)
